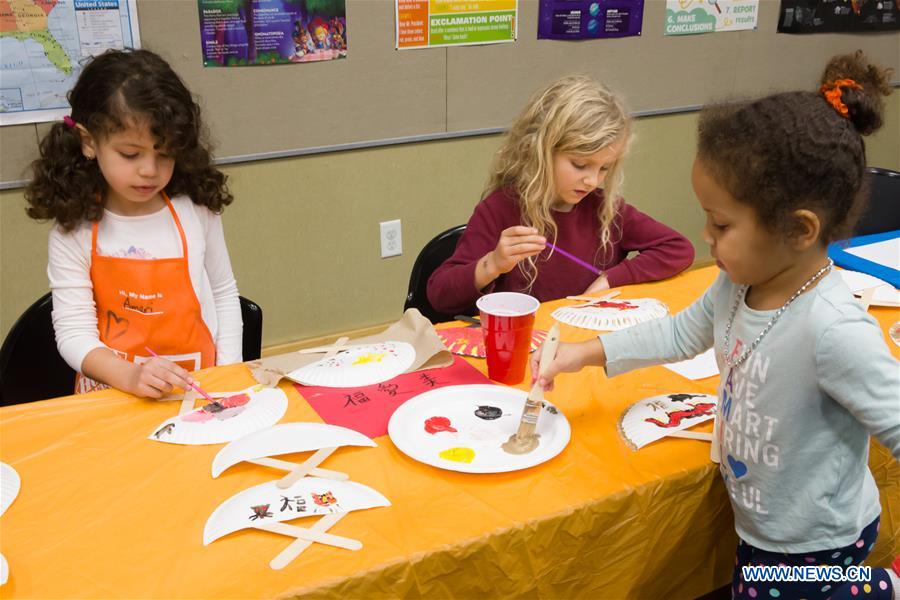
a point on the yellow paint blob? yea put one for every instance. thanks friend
(370, 357)
(463, 455)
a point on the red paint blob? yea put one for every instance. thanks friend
(436, 424)
(236, 400)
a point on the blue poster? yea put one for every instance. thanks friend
(589, 19)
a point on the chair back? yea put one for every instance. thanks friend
(430, 258)
(252, 316)
(30, 365)
(883, 212)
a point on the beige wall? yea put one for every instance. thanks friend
(303, 232)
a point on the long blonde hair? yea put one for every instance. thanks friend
(576, 115)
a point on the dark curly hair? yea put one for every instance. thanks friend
(794, 150)
(118, 89)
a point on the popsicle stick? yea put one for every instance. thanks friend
(866, 296)
(337, 347)
(323, 349)
(187, 403)
(302, 533)
(612, 294)
(691, 435)
(296, 547)
(285, 465)
(304, 468)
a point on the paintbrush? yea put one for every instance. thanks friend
(576, 260)
(525, 439)
(196, 387)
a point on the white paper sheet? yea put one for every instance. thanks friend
(700, 367)
(886, 253)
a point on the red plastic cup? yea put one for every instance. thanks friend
(507, 319)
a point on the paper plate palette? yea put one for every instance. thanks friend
(469, 341)
(226, 419)
(652, 419)
(9, 486)
(611, 315)
(885, 293)
(462, 427)
(358, 366)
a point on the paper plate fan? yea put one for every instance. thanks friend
(358, 366)
(469, 341)
(885, 293)
(9, 486)
(462, 428)
(226, 419)
(651, 419)
(4, 570)
(268, 503)
(285, 439)
(611, 315)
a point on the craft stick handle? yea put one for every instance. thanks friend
(284, 465)
(303, 469)
(302, 533)
(323, 349)
(337, 347)
(612, 294)
(298, 546)
(691, 435)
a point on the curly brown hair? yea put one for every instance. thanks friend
(794, 150)
(117, 90)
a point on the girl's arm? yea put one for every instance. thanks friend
(492, 244)
(662, 251)
(229, 335)
(670, 339)
(856, 369)
(75, 324)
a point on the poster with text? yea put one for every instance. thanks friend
(241, 33)
(687, 17)
(822, 16)
(589, 19)
(433, 23)
(44, 44)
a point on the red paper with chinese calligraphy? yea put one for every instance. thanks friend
(368, 409)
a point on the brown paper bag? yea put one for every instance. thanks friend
(412, 328)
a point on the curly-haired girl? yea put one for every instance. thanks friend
(137, 259)
(806, 375)
(556, 176)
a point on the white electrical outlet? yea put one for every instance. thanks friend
(391, 239)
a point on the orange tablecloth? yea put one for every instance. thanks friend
(105, 512)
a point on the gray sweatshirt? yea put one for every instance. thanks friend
(794, 419)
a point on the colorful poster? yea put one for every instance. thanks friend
(589, 19)
(368, 409)
(43, 44)
(687, 17)
(822, 16)
(241, 33)
(432, 23)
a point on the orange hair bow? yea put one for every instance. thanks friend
(832, 93)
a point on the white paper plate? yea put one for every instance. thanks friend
(611, 315)
(359, 366)
(204, 426)
(285, 439)
(267, 503)
(885, 293)
(9, 486)
(4, 570)
(651, 419)
(475, 445)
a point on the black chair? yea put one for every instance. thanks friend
(430, 258)
(32, 369)
(883, 212)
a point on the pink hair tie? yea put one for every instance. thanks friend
(69, 121)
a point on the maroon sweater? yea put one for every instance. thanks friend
(662, 252)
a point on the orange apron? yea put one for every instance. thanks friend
(148, 304)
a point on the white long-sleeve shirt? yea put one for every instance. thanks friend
(150, 237)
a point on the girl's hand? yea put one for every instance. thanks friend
(569, 358)
(157, 377)
(599, 285)
(515, 245)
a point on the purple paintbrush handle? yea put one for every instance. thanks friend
(575, 259)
